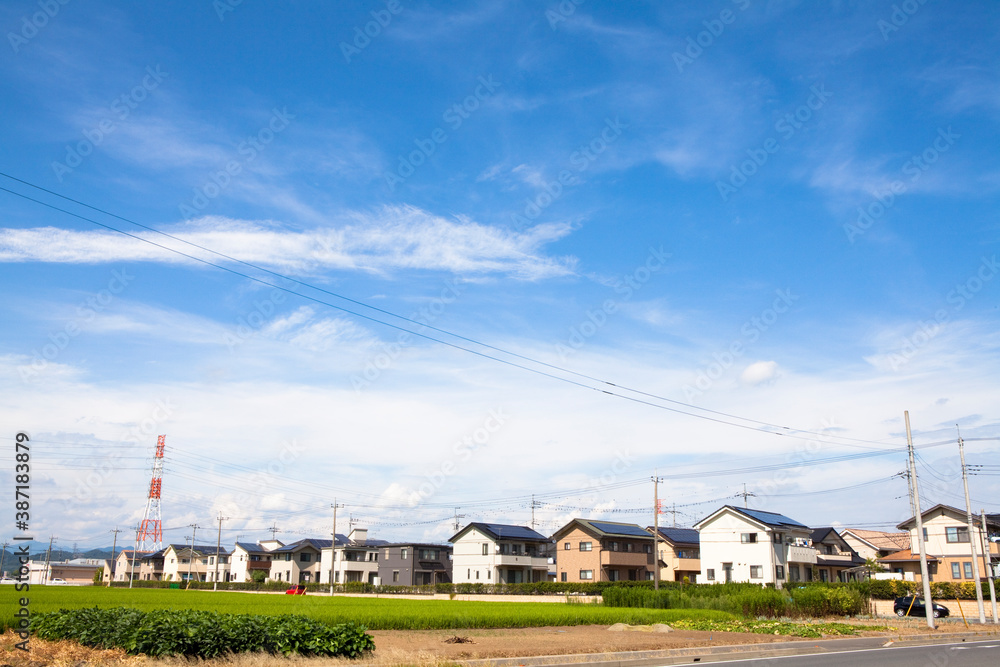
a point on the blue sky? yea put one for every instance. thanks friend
(781, 211)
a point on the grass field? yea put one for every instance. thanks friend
(375, 613)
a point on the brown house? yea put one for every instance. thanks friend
(603, 551)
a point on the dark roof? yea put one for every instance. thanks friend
(253, 548)
(604, 529)
(819, 534)
(680, 535)
(770, 518)
(206, 549)
(319, 545)
(502, 531)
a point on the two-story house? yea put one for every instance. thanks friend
(835, 559)
(250, 557)
(875, 544)
(415, 564)
(589, 550)
(353, 558)
(679, 554)
(495, 553)
(740, 544)
(298, 562)
(182, 562)
(948, 544)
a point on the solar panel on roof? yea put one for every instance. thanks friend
(513, 532)
(618, 529)
(772, 518)
(683, 535)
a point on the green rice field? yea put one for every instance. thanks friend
(376, 613)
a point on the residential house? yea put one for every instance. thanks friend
(252, 557)
(948, 544)
(151, 566)
(589, 550)
(679, 554)
(183, 562)
(740, 544)
(354, 558)
(835, 559)
(494, 553)
(875, 544)
(127, 565)
(78, 571)
(298, 562)
(415, 564)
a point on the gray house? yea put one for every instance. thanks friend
(413, 564)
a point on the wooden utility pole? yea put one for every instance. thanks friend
(924, 572)
(194, 531)
(48, 554)
(656, 532)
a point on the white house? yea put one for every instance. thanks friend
(251, 556)
(494, 553)
(739, 544)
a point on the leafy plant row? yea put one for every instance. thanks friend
(205, 634)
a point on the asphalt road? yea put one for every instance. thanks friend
(960, 654)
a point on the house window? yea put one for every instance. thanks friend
(954, 534)
(777, 538)
(710, 574)
(563, 577)
(613, 575)
(628, 547)
(489, 573)
(305, 558)
(779, 572)
(613, 546)
(925, 534)
(748, 538)
(211, 560)
(429, 554)
(586, 546)
(756, 571)
(649, 548)
(477, 574)
(486, 549)
(586, 575)
(956, 570)
(395, 576)
(405, 553)
(468, 573)
(968, 570)
(184, 561)
(567, 546)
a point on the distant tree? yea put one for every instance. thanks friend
(258, 576)
(872, 565)
(98, 575)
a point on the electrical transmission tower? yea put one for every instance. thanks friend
(150, 536)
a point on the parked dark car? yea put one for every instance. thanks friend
(919, 608)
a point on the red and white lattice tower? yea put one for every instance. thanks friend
(150, 536)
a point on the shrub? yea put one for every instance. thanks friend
(203, 634)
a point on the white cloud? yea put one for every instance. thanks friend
(383, 241)
(759, 372)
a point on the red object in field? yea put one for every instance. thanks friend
(296, 590)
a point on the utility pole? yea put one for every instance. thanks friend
(333, 545)
(972, 530)
(989, 570)
(746, 495)
(532, 511)
(194, 530)
(455, 524)
(48, 553)
(924, 572)
(274, 530)
(3, 555)
(218, 548)
(656, 532)
(111, 574)
(135, 553)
